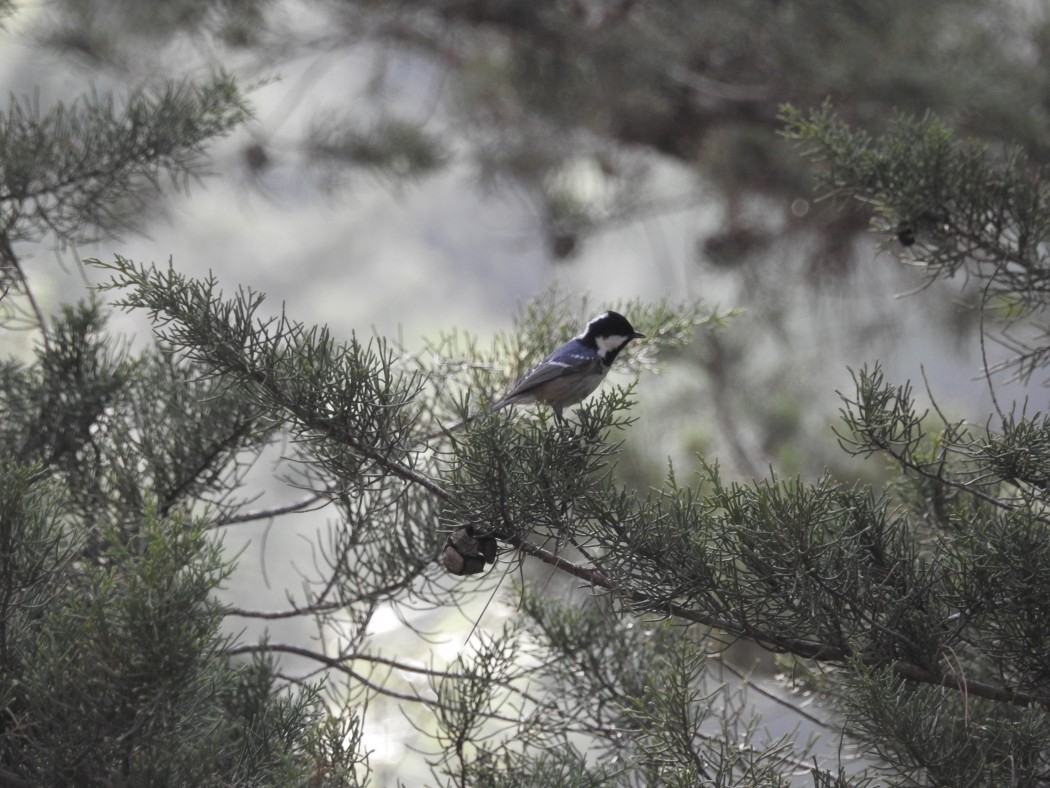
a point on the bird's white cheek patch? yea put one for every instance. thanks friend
(605, 344)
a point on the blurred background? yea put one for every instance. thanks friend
(417, 166)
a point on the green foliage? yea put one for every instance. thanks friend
(528, 480)
(113, 426)
(355, 411)
(350, 389)
(643, 695)
(919, 610)
(51, 409)
(932, 736)
(114, 667)
(962, 205)
(88, 168)
(936, 581)
(1021, 452)
(349, 407)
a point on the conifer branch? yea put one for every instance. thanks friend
(779, 642)
(9, 260)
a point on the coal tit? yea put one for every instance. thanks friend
(576, 368)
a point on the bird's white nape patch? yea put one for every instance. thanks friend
(614, 342)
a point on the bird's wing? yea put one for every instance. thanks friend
(551, 368)
(548, 370)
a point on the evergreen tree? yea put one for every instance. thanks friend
(113, 666)
(918, 609)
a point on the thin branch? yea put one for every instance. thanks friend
(277, 615)
(8, 258)
(392, 466)
(961, 486)
(341, 664)
(224, 444)
(794, 708)
(253, 515)
(982, 331)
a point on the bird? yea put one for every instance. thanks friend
(574, 370)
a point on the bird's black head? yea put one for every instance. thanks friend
(609, 333)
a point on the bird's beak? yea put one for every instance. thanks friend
(637, 335)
